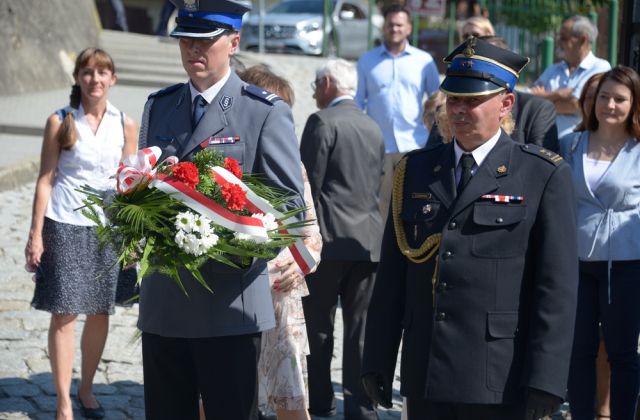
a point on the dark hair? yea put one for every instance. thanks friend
(395, 8)
(66, 135)
(628, 77)
(262, 76)
(593, 80)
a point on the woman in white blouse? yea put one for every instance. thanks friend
(83, 144)
(606, 171)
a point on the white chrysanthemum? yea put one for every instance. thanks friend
(185, 221)
(180, 238)
(247, 237)
(192, 244)
(202, 225)
(268, 220)
(209, 241)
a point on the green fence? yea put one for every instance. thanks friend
(530, 26)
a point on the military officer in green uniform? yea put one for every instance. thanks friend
(478, 272)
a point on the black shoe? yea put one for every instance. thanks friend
(331, 413)
(91, 413)
(262, 415)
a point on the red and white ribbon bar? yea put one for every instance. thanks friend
(300, 253)
(209, 208)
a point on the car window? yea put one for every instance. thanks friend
(357, 12)
(298, 7)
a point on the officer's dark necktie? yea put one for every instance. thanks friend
(199, 107)
(466, 163)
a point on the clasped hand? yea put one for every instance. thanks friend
(289, 276)
(540, 404)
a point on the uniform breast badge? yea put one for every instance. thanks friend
(497, 198)
(219, 140)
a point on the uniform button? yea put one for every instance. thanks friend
(499, 220)
(442, 286)
(453, 225)
(441, 316)
(447, 255)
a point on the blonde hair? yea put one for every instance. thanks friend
(431, 107)
(481, 22)
(66, 136)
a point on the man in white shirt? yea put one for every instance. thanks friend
(562, 82)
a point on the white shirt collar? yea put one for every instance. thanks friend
(481, 152)
(211, 92)
(337, 99)
(588, 61)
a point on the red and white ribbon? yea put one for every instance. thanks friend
(139, 168)
(209, 208)
(300, 253)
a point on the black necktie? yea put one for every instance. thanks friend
(199, 107)
(466, 163)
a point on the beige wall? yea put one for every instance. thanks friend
(39, 41)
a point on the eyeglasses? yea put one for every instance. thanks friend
(315, 84)
(469, 35)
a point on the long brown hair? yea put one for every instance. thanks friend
(628, 77)
(66, 136)
(593, 80)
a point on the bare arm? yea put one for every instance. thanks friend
(130, 137)
(562, 99)
(48, 163)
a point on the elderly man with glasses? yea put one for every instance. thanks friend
(562, 82)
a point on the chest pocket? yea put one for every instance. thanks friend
(419, 219)
(499, 230)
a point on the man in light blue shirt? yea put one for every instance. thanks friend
(562, 82)
(393, 80)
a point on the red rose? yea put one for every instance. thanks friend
(234, 196)
(187, 173)
(232, 165)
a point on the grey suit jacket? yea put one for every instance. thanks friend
(265, 144)
(343, 151)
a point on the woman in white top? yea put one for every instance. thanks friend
(83, 144)
(606, 170)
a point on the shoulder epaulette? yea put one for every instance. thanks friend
(166, 90)
(542, 153)
(264, 95)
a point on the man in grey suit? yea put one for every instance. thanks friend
(203, 343)
(343, 152)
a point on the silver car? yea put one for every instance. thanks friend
(295, 26)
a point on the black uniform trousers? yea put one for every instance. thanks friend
(352, 282)
(421, 409)
(178, 370)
